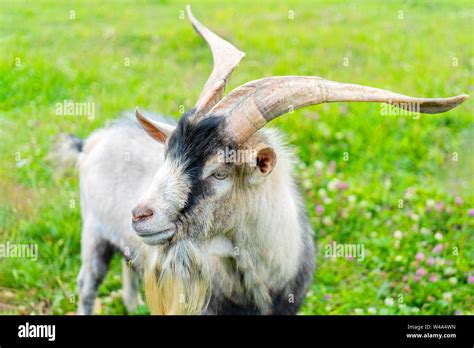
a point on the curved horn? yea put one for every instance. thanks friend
(226, 57)
(249, 107)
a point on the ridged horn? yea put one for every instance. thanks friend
(252, 105)
(226, 57)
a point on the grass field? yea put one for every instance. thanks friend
(400, 186)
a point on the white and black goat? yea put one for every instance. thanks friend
(211, 236)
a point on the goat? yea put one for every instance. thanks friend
(211, 236)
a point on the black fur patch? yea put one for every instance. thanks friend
(76, 142)
(191, 144)
(221, 305)
(288, 300)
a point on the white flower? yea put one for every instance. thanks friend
(425, 231)
(318, 165)
(409, 193)
(332, 186)
(371, 310)
(430, 203)
(307, 184)
(449, 271)
(453, 280)
(373, 234)
(398, 234)
(23, 162)
(327, 221)
(389, 301)
(447, 296)
(351, 199)
(358, 311)
(398, 258)
(415, 217)
(438, 236)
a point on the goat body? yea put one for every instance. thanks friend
(259, 249)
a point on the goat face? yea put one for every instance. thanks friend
(191, 189)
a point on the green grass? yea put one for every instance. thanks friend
(428, 52)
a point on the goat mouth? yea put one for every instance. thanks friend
(158, 237)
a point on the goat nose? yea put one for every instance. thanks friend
(141, 213)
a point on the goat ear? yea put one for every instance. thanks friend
(157, 130)
(264, 161)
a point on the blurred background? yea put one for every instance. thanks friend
(399, 185)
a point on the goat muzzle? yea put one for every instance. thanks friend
(141, 213)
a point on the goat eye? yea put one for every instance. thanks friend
(220, 175)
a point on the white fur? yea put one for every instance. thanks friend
(258, 226)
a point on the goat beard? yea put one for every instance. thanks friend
(177, 279)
